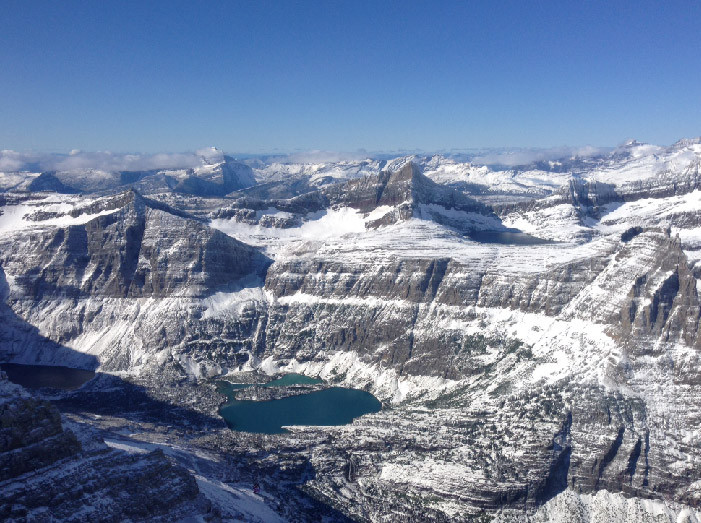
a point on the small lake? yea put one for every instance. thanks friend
(292, 379)
(506, 238)
(40, 376)
(332, 406)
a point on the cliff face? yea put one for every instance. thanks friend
(389, 197)
(32, 436)
(47, 473)
(132, 247)
(218, 179)
(600, 326)
(407, 185)
(388, 311)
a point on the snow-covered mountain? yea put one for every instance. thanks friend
(533, 331)
(496, 177)
(207, 173)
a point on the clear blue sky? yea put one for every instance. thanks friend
(260, 76)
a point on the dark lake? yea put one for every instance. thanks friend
(39, 376)
(506, 237)
(332, 406)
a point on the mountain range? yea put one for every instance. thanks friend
(533, 332)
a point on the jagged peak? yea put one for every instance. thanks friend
(410, 185)
(211, 155)
(686, 142)
(410, 173)
(410, 170)
(48, 181)
(142, 203)
(632, 143)
(129, 199)
(130, 196)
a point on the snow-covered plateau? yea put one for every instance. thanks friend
(532, 331)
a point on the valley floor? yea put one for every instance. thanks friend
(325, 473)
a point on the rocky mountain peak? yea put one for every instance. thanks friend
(211, 155)
(134, 247)
(686, 142)
(407, 187)
(129, 201)
(212, 179)
(632, 143)
(236, 175)
(425, 191)
(410, 172)
(48, 181)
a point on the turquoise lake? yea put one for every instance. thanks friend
(332, 406)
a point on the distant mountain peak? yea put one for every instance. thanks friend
(211, 155)
(686, 142)
(632, 143)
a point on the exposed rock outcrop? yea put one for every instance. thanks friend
(47, 474)
(134, 247)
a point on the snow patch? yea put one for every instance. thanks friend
(571, 507)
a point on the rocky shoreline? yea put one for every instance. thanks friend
(261, 393)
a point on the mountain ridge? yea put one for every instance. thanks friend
(520, 379)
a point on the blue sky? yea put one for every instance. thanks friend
(282, 76)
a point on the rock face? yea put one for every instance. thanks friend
(408, 185)
(47, 474)
(518, 377)
(48, 181)
(218, 179)
(32, 436)
(405, 191)
(217, 175)
(133, 248)
(400, 303)
(395, 196)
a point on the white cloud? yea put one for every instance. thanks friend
(317, 156)
(211, 154)
(527, 156)
(107, 161)
(10, 160)
(103, 161)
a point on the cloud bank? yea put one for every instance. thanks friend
(108, 161)
(528, 156)
(105, 161)
(317, 156)
(10, 161)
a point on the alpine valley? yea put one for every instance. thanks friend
(532, 331)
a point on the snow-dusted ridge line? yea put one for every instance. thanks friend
(500, 365)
